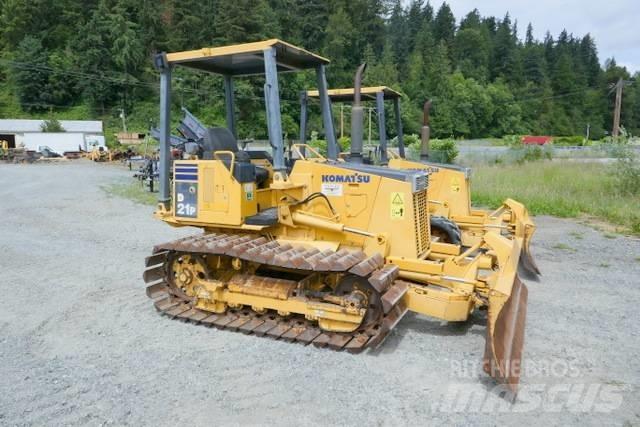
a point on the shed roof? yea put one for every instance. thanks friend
(367, 93)
(246, 58)
(20, 126)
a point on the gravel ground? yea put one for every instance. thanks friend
(81, 344)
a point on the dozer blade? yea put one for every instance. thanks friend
(505, 335)
(524, 229)
(526, 264)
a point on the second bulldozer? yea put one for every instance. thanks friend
(453, 219)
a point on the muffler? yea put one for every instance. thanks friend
(425, 133)
(357, 118)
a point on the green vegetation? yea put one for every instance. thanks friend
(564, 189)
(563, 247)
(77, 59)
(577, 235)
(52, 125)
(133, 191)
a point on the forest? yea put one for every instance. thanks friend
(487, 76)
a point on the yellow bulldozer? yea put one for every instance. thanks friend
(452, 218)
(313, 249)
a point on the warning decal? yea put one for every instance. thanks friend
(455, 185)
(397, 206)
(330, 189)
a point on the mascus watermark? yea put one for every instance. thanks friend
(575, 398)
(549, 386)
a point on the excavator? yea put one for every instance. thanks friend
(313, 249)
(452, 218)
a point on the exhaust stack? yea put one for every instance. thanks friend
(357, 118)
(425, 133)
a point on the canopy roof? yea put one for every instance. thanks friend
(367, 93)
(247, 58)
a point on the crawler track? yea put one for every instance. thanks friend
(293, 328)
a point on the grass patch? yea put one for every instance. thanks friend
(563, 189)
(577, 235)
(132, 191)
(563, 247)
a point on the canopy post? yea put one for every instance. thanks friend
(399, 132)
(164, 195)
(272, 103)
(382, 128)
(327, 118)
(229, 102)
(303, 116)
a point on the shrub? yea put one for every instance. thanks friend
(443, 150)
(52, 125)
(533, 153)
(320, 145)
(576, 140)
(627, 171)
(345, 143)
(409, 140)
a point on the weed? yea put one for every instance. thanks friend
(132, 191)
(610, 236)
(604, 265)
(577, 235)
(563, 247)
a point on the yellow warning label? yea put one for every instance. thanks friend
(455, 185)
(397, 206)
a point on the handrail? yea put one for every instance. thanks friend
(230, 154)
(296, 148)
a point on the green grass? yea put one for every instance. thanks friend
(132, 191)
(577, 235)
(563, 189)
(563, 247)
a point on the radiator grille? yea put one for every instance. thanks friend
(421, 219)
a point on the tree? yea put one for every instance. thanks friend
(384, 72)
(472, 51)
(30, 73)
(399, 35)
(444, 26)
(338, 43)
(313, 21)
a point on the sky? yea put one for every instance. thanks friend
(615, 24)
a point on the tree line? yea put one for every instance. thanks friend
(485, 76)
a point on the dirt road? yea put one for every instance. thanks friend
(80, 344)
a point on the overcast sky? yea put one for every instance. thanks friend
(615, 24)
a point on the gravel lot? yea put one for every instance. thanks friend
(81, 344)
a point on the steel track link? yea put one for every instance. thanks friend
(293, 328)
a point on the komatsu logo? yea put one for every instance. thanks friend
(351, 179)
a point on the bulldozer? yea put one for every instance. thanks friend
(313, 249)
(452, 218)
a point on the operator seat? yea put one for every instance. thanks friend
(221, 139)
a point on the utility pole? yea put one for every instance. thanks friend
(124, 120)
(588, 131)
(618, 106)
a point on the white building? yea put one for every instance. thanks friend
(79, 134)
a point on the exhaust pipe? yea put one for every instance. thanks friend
(425, 133)
(357, 118)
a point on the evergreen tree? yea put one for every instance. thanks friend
(30, 73)
(444, 26)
